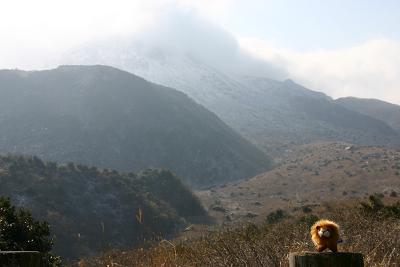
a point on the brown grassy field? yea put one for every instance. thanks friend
(372, 229)
(306, 176)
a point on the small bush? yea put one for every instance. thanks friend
(276, 216)
(308, 220)
(306, 209)
(375, 208)
(20, 232)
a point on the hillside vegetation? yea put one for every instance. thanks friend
(307, 175)
(371, 228)
(91, 210)
(102, 116)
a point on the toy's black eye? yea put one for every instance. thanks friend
(318, 227)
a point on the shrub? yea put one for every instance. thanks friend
(306, 209)
(20, 232)
(276, 216)
(375, 207)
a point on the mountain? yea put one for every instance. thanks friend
(272, 114)
(387, 112)
(310, 175)
(102, 116)
(287, 114)
(91, 210)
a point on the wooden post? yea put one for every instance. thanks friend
(326, 259)
(20, 259)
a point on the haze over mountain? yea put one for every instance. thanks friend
(387, 112)
(341, 49)
(270, 113)
(102, 116)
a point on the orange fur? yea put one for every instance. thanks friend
(322, 243)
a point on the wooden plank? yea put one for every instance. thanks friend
(326, 259)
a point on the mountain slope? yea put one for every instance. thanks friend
(272, 114)
(102, 116)
(286, 114)
(311, 174)
(91, 210)
(387, 112)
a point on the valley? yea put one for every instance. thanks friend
(309, 176)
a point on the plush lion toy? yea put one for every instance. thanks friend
(325, 234)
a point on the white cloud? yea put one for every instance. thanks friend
(215, 10)
(33, 32)
(369, 70)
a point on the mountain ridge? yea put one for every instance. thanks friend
(382, 110)
(99, 115)
(256, 107)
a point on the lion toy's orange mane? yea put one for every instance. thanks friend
(325, 234)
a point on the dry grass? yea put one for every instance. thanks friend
(375, 235)
(310, 174)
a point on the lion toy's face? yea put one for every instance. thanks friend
(324, 231)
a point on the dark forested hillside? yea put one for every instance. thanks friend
(102, 116)
(91, 210)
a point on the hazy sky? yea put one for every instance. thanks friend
(341, 47)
